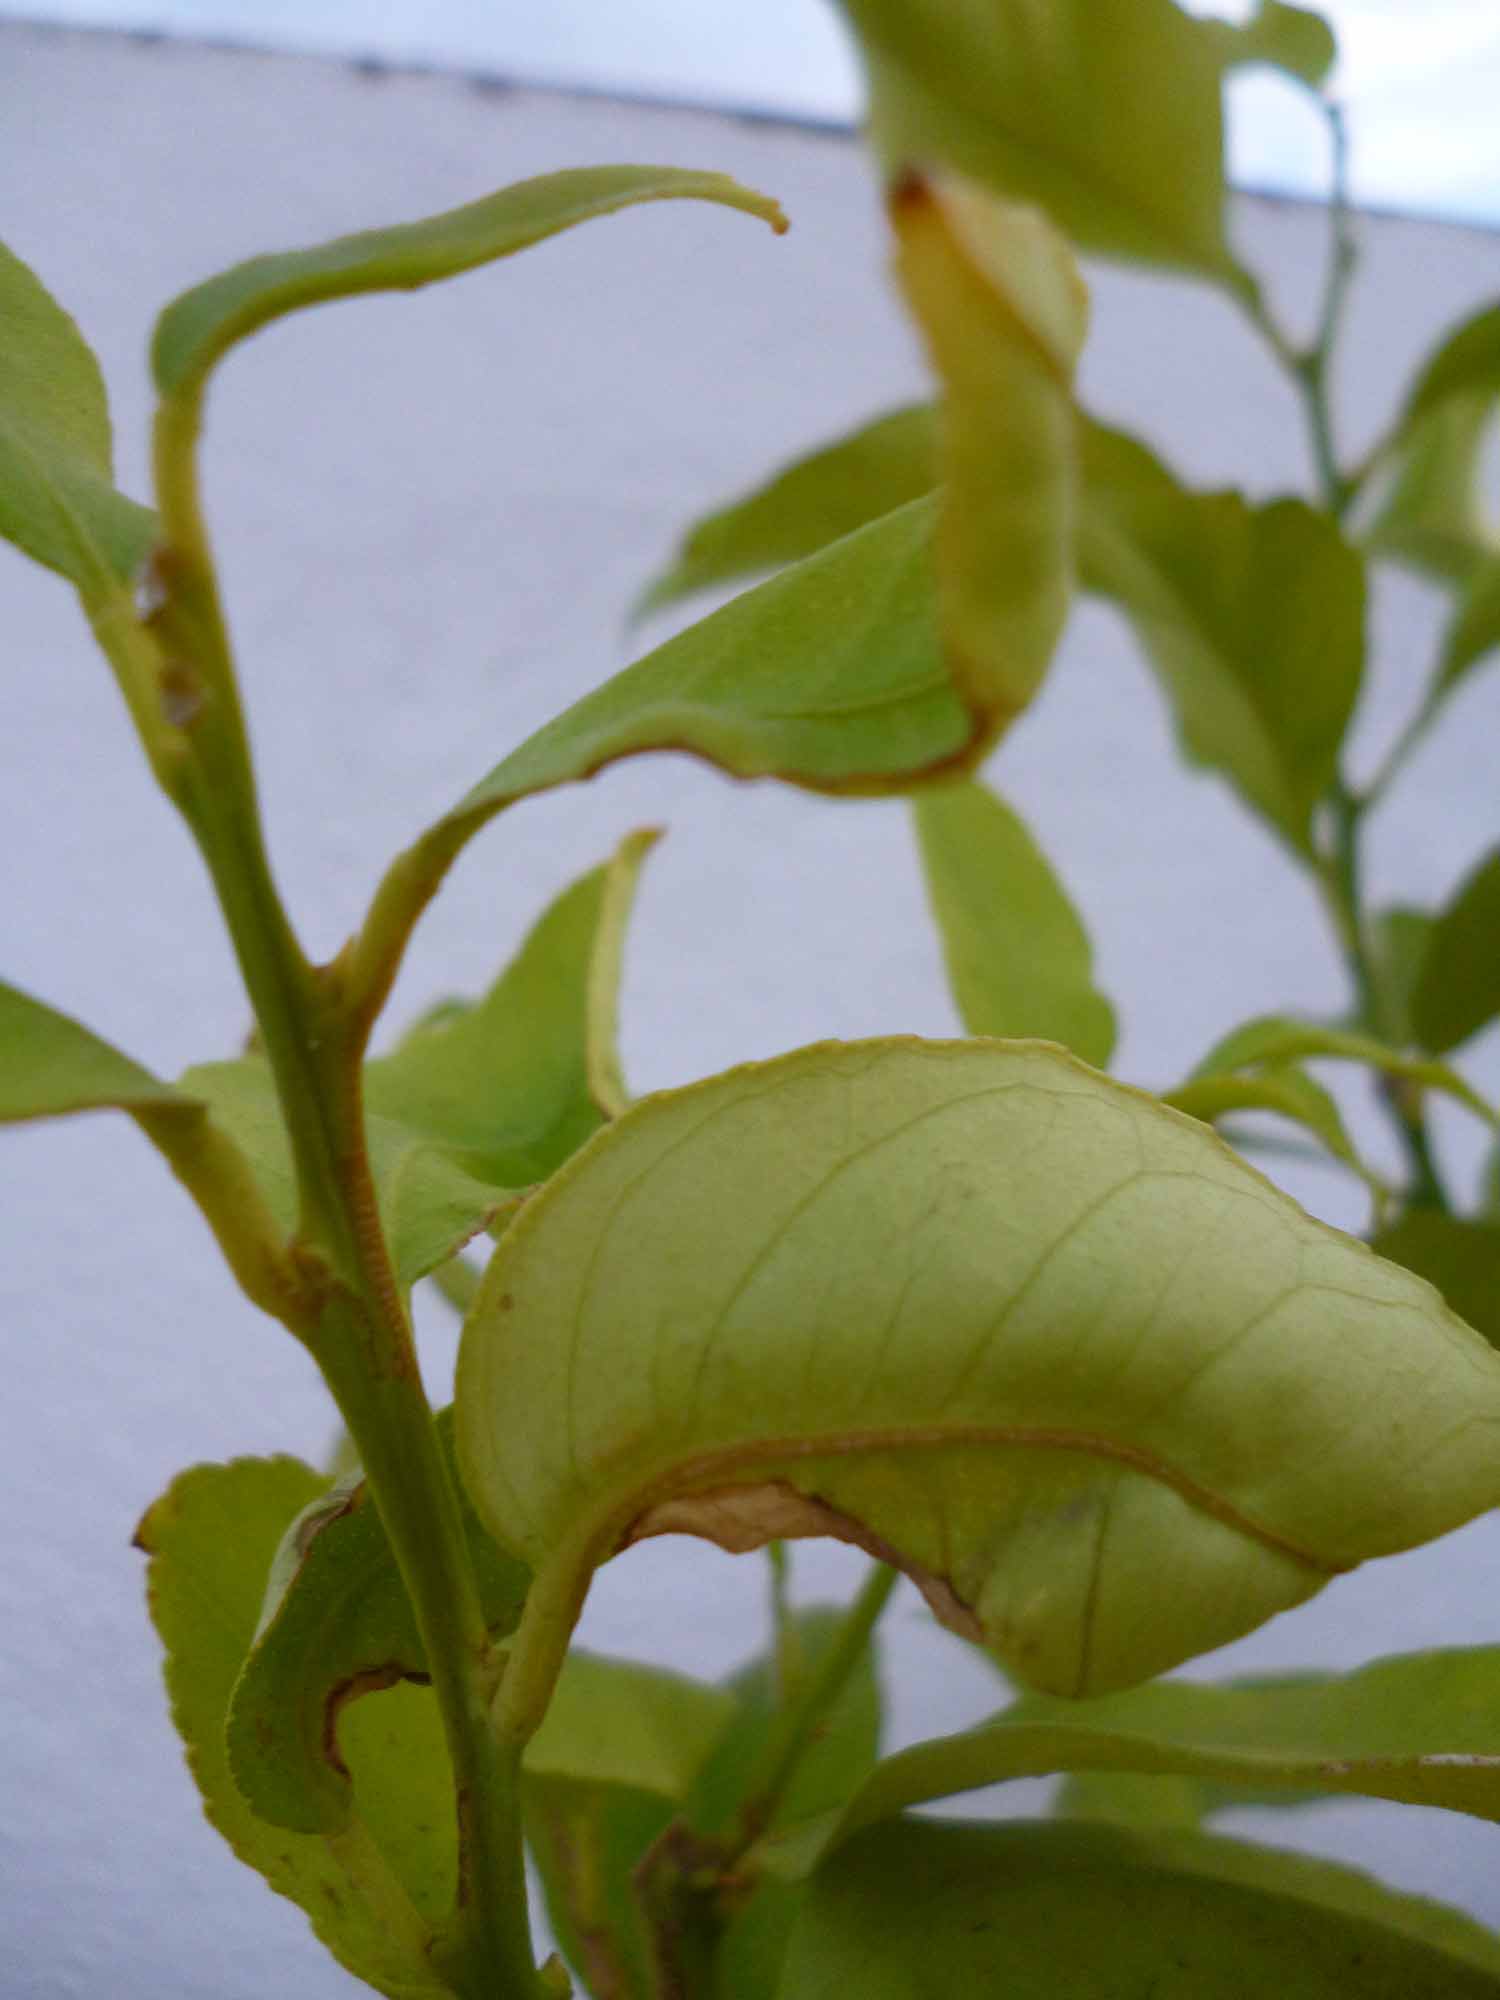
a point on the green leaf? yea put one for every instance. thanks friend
(1418, 1729)
(1460, 1257)
(337, 1624)
(1293, 39)
(1283, 1088)
(58, 502)
(1036, 1911)
(1018, 957)
(1432, 514)
(1474, 633)
(810, 503)
(1400, 938)
(841, 673)
(1252, 619)
(211, 1540)
(1108, 117)
(616, 1722)
(51, 1065)
(1046, 1344)
(1271, 1040)
(433, 1197)
(1464, 363)
(198, 328)
(843, 1755)
(586, 1841)
(1457, 991)
(520, 1079)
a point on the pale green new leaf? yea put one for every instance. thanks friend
(1283, 1088)
(1251, 617)
(517, 1081)
(922, 1910)
(58, 501)
(1457, 991)
(1047, 1344)
(1461, 1257)
(433, 1197)
(1418, 1729)
(198, 328)
(1018, 957)
(1293, 39)
(337, 1624)
(1104, 113)
(211, 1539)
(814, 501)
(618, 1722)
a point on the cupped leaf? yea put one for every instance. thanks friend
(210, 1540)
(337, 1624)
(1046, 1344)
(520, 1079)
(901, 650)
(198, 328)
(58, 501)
(433, 1197)
(1457, 991)
(919, 1908)
(1106, 115)
(1461, 1257)
(1019, 959)
(814, 501)
(1252, 619)
(1418, 1729)
(1293, 39)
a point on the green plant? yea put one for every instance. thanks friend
(1033, 1336)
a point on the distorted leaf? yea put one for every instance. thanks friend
(1109, 118)
(204, 323)
(1047, 1345)
(433, 1197)
(337, 1625)
(1418, 1729)
(808, 504)
(1293, 39)
(1459, 1256)
(1252, 619)
(919, 1908)
(210, 1540)
(1458, 988)
(519, 1080)
(1018, 957)
(58, 501)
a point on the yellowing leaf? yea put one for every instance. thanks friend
(1104, 113)
(1048, 1345)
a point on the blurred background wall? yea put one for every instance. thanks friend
(432, 515)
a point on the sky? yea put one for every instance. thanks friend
(1421, 77)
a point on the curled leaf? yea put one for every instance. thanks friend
(1042, 1342)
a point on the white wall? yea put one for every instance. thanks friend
(431, 514)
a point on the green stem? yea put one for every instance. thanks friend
(359, 1332)
(800, 1725)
